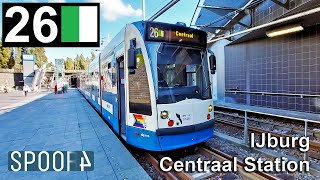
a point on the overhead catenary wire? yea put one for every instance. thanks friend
(157, 6)
(163, 9)
(194, 12)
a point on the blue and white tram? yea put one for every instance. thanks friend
(151, 84)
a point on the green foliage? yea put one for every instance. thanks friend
(69, 64)
(81, 63)
(25, 50)
(10, 58)
(13, 59)
(40, 56)
(77, 63)
(93, 56)
(50, 65)
(5, 57)
(18, 60)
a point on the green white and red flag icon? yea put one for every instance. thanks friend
(79, 23)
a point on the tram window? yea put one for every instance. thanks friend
(182, 74)
(139, 92)
(110, 77)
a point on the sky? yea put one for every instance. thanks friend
(114, 15)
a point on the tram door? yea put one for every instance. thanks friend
(121, 97)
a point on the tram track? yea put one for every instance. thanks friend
(221, 156)
(314, 146)
(289, 129)
(155, 163)
(210, 153)
(313, 131)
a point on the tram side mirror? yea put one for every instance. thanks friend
(132, 62)
(212, 62)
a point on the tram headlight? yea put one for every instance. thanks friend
(210, 108)
(164, 114)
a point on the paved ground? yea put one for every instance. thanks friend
(65, 122)
(17, 98)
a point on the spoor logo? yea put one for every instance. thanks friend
(50, 161)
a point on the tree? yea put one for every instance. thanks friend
(40, 56)
(25, 50)
(49, 65)
(69, 64)
(93, 56)
(88, 60)
(83, 64)
(5, 56)
(18, 60)
(11, 61)
(77, 62)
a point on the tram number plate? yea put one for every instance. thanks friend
(50, 24)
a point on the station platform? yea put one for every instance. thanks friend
(14, 99)
(294, 115)
(64, 122)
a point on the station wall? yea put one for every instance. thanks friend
(218, 79)
(10, 79)
(285, 64)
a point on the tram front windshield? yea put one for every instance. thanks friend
(182, 74)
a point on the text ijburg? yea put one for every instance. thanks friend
(251, 164)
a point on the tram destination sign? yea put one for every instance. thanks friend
(175, 34)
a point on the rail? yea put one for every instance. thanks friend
(208, 152)
(220, 156)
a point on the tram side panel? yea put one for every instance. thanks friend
(141, 119)
(83, 85)
(94, 88)
(109, 72)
